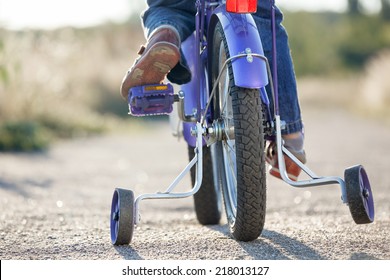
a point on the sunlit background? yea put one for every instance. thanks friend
(50, 14)
(61, 62)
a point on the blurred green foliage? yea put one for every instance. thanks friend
(3, 70)
(23, 136)
(48, 81)
(335, 43)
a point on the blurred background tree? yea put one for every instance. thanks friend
(354, 7)
(331, 43)
(385, 10)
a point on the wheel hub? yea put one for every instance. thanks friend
(221, 129)
(115, 216)
(366, 193)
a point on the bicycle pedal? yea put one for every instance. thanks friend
(150, 100)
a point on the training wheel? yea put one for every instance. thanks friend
(359, 195)
(122, 217)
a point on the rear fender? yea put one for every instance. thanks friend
(242, 37)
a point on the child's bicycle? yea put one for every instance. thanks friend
(226, 120)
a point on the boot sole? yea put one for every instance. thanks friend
(152, 67)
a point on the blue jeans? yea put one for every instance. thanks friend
(181, 15)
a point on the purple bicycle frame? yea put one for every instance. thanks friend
(242, 37)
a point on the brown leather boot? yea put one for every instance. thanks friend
(156, 60)
(293, 170)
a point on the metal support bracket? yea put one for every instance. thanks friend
(169, 194)
(315, 180)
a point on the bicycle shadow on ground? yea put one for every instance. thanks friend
(22, 187)
(362, 256)
(128, 253)
(272, 245)
(287, 247)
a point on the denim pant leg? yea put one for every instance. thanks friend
(177, 13)
(181, 15)
(288, 98)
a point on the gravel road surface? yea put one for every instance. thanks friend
(56, 205)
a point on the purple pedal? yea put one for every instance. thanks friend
(149, 100)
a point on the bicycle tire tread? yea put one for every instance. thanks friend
(252, 196)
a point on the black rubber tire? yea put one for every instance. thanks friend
(245, 202)
(208, 199)
(359, 195)
(122, 217)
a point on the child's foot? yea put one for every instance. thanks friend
(156, 60)
(292, 169)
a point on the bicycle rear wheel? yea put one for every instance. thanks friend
(238, 155)
(207, 200)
